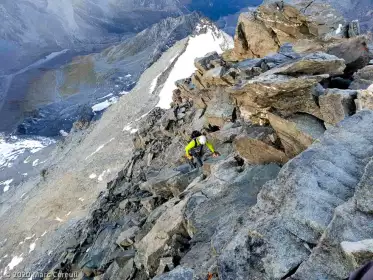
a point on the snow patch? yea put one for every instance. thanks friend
(110, 94)
(44, 233)
(13, 263)
(339, 29)
(360, 246)
(123, 92)
(29, 237)
(92, 176)
(42, 61)
(63, 133)
(103, 105)
(58, 219)
(127, 127)
(32, 247)
(13, 147)
(35, 162)
(100, 148)
(130, 129)
(6, 184)
(102, 175)
(81, 199)
(154, 84)
(198, 46)
(128, 75)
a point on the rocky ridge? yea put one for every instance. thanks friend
(290, 197)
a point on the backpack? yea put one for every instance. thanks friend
(195, 134)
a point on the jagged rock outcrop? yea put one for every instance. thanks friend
(296, 133)
(169, 183)
(284, 93)
(336, 105)
(248, 148)
(289, 82)
(363, 78)
(275, 23)
(355, 52)
(364, 100)
(168, 227)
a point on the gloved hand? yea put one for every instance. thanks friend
(189, 157)
(216, 154)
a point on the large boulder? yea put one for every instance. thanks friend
(255, 151)
(178, 273)
(220, 108)
(336, 105)
(283, 93)
(314, 63)
(253, 39)
(157, 242)
(209, 61)
(364, 100)
(363, 78)
(296, 133)
(274, 23)
(354, 51)
(169, 182)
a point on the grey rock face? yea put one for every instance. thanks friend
(298, 207)
(172, 183)
(178, 273)
(218, 210)
(364, 191)
(363, 78)
(348, 225)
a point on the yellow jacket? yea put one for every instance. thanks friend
(192, 145)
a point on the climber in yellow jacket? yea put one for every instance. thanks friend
(195, 148)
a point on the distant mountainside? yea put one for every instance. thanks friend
(30, 29)
(97, 80)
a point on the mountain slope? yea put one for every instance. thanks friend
(55, 204)
(209, 39)
(32, 28)
(56, 98)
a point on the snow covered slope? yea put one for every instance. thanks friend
(208, 38)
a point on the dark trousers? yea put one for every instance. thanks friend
(197, 154)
